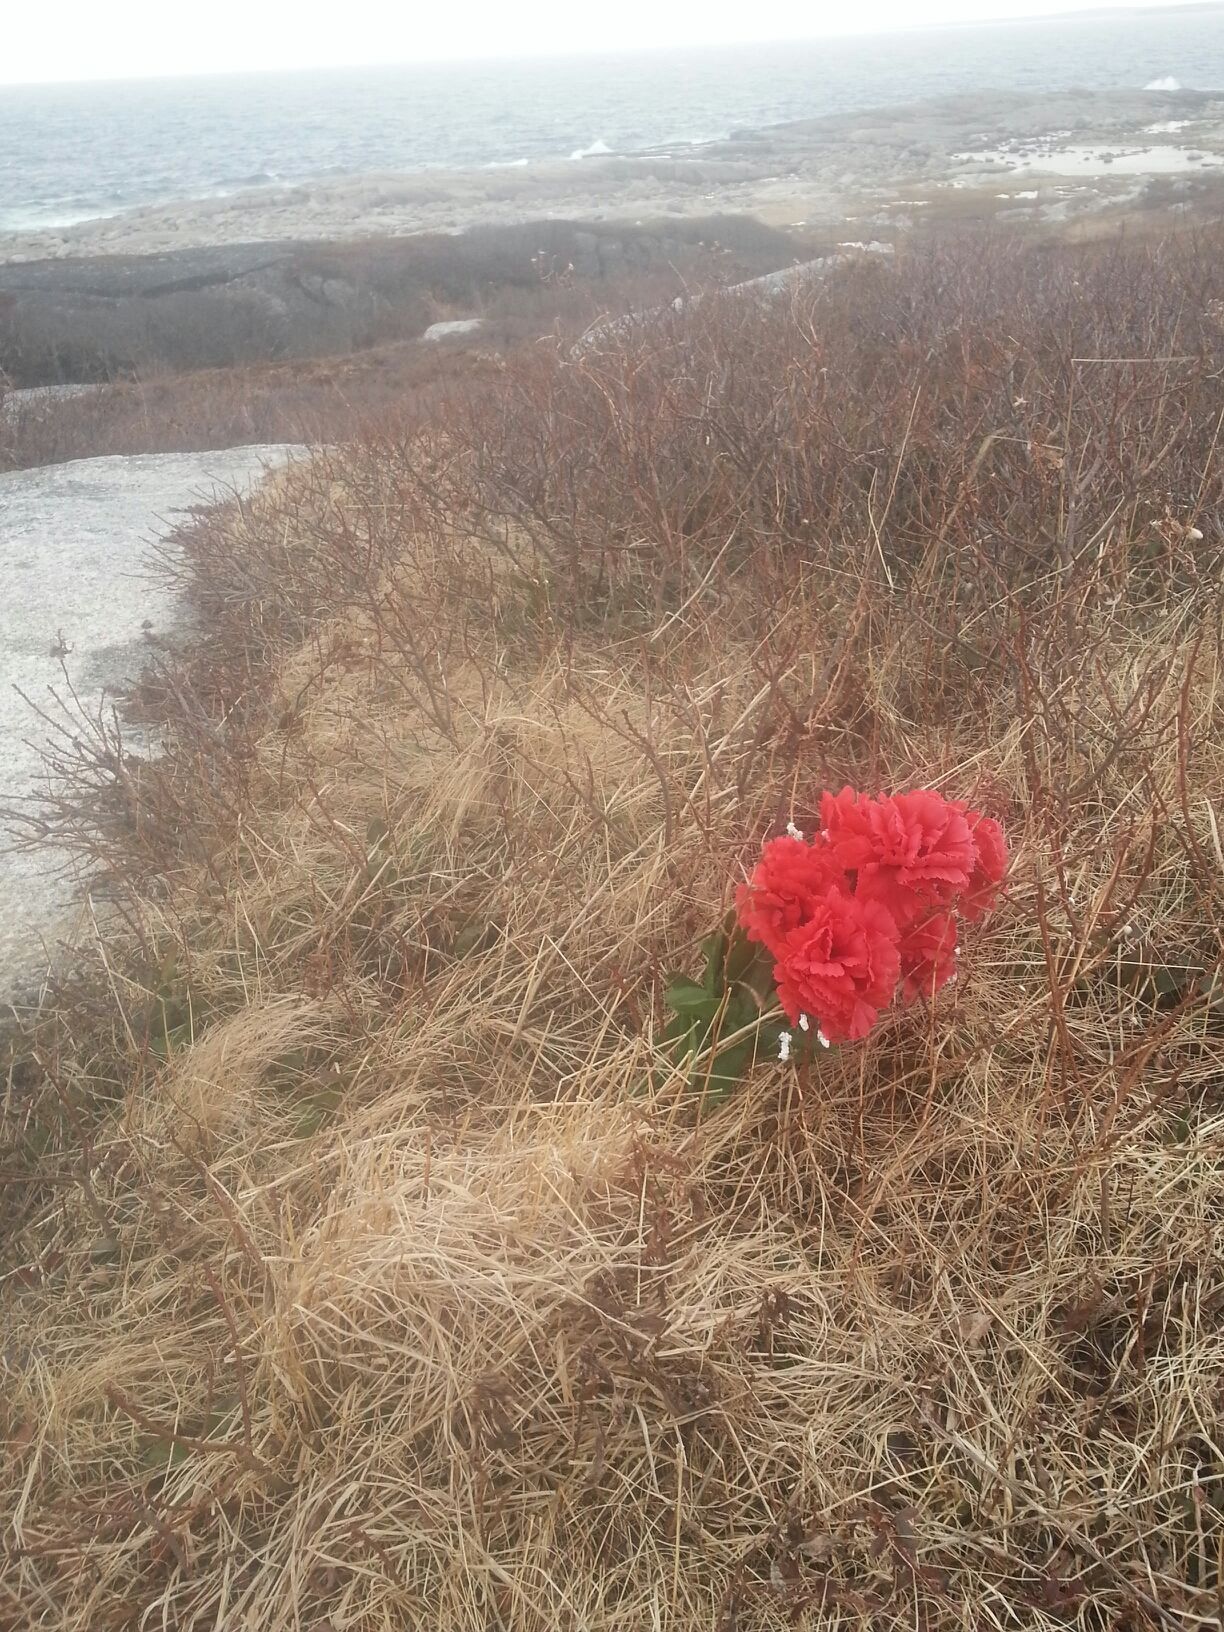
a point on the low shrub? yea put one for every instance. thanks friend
(370, 1260)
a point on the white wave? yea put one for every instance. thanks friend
(596, 150)
(1165, 83)
(507, 164)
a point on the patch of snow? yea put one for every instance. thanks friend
(457, 325)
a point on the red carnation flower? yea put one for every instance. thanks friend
(990, 848)
(928, 956)
(785, 889)
(872, 904)
(840, 967)
(909, 849)
(843, 817)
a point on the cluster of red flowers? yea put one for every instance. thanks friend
(870, 904)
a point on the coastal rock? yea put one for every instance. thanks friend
(39, 399)
(80, 609)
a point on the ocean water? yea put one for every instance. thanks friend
(72, 152)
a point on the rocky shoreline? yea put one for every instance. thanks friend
(931, 156)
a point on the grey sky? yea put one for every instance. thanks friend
(94, 39)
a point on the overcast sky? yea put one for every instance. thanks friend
(113, 39)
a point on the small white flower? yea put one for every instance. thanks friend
(956, 951)
(951, 980)
(784, 1042)
(824, 833)
(803, 1022)
(793, 831)
(822, 1039)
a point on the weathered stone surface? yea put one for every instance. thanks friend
(80, 605)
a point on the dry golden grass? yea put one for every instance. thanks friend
(355, 1275)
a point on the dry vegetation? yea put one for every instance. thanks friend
(105, 318)
(356, 1276)
(329, 384)
(327, 400)
(309, 343)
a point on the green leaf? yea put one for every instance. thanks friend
(686, 997)
(725, 1004)
(715, 949)
(1168, 982)
(1179, 1130)
(680, 1039)
(742, 954)
(160, 1455)
(318, 1110)
(468, 938)
(170, 1040)
(159, 1452)
(684, 1035)
(742, 1010)
(718, 1076)
(769, 1040)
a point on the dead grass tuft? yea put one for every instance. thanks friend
(355, 1276)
